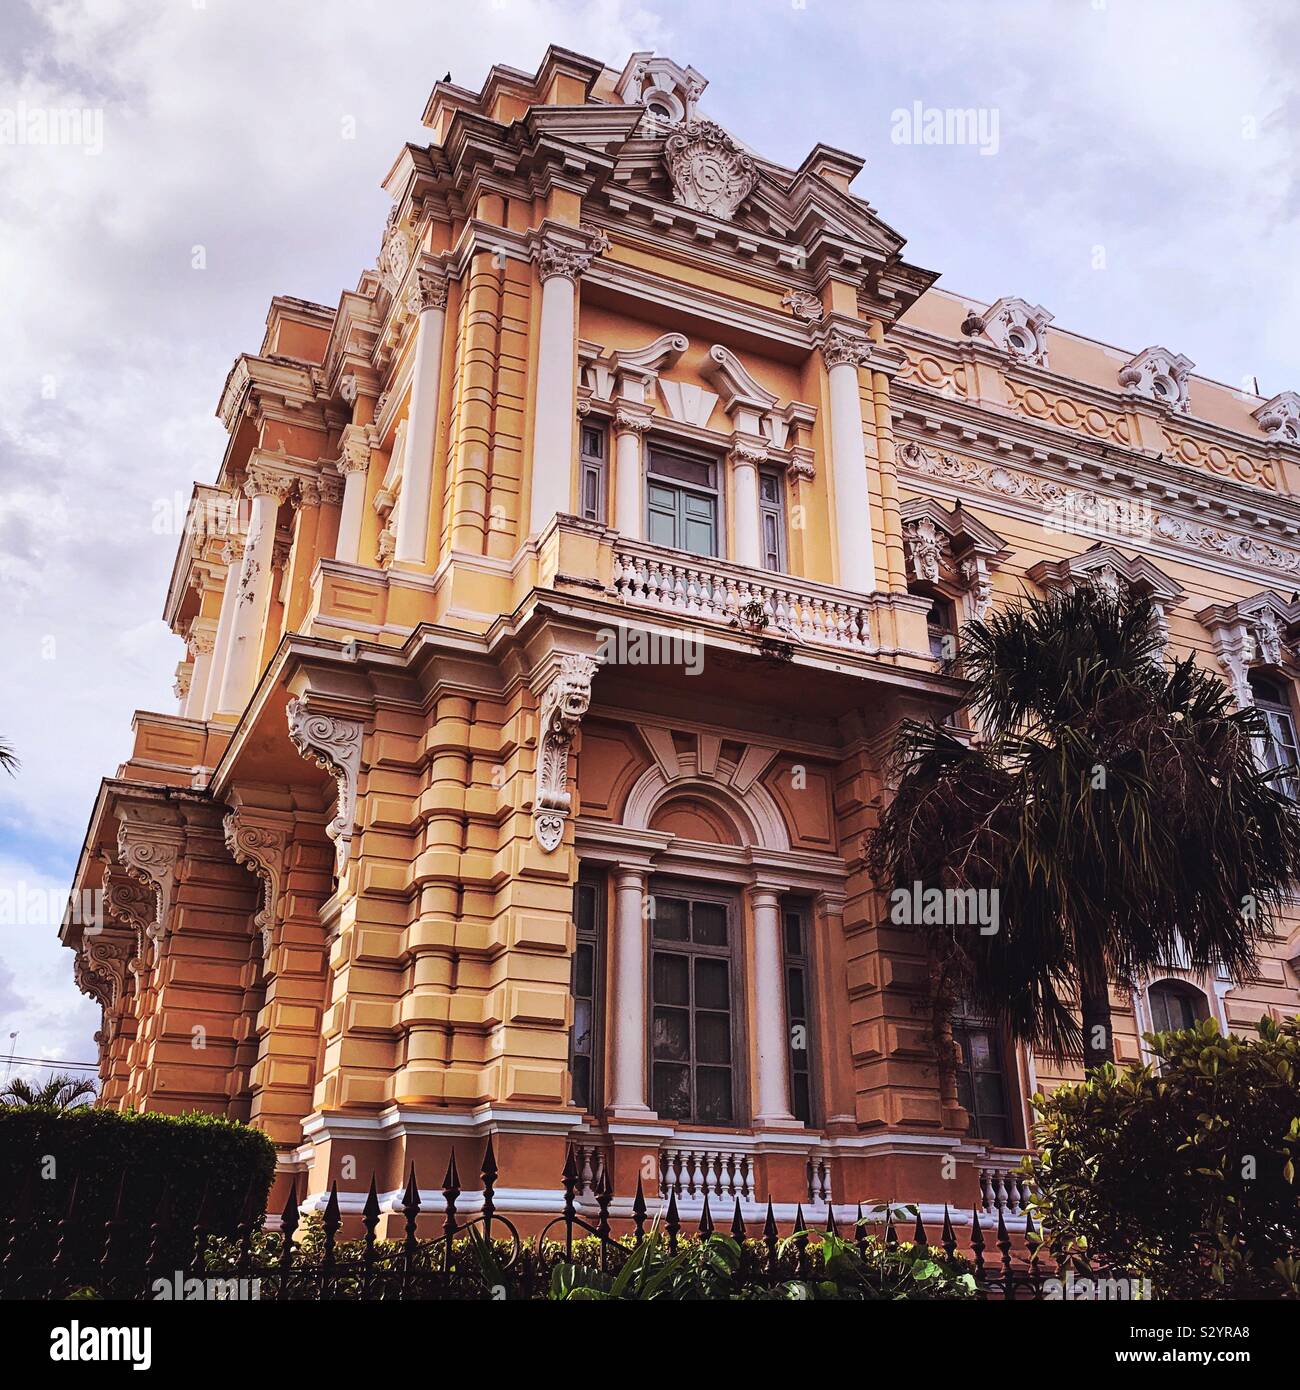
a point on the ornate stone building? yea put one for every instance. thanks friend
(545, 628)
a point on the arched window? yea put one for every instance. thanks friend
(1175, 1006)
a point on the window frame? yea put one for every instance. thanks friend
(801, 961)
(774, 511)
(657, 448)
(1271, 696)
(964, 1023)
(595, 880)
(737, 998)
(594, 466)
(1183, 989)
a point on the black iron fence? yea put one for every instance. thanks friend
(54, 1255)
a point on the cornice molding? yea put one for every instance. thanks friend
(1046, 489)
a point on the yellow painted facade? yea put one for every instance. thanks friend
(616, 379)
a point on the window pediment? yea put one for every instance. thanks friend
(1256, 632)
(1158, 375)
(951, 551)
(1019, 329)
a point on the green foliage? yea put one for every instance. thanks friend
(1113, 802)
(709, 1268)
(194, 1160)
(718, 1267)
(1183, 1173)
(61, 1091)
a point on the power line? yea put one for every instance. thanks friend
(53, 1062)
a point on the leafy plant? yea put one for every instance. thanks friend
(1113, 803)
(1186, 1173)
(62, 1091)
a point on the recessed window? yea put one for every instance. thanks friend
(941, 624)
(794, 941)
(1176, 1006)
(588, 1000)
(771, 515)
(682, 501)
(1016, 340)
(593, 473)
(1280, 748)
(982, 1089)
(691, 1001)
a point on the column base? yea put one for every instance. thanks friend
(632, 1112)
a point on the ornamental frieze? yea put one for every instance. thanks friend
(1070, 414)
(1199, 453)
(1093, 513)
(924, 369)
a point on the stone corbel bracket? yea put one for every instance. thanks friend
(564, 701)
(150, 841)
(333, 743)
(261, 849)
(126, 900)
(101, 970)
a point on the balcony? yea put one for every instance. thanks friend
(750, 601)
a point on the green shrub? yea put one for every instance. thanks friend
(198, 1162)
(1183, 1173)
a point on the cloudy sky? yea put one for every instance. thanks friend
(232, 150)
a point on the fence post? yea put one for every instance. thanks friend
(288, 1225)
(450, 1191)
(638, 1212)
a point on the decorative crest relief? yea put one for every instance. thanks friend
(565, 700)
(395, 254)
(710, 172)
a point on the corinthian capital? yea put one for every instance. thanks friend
(746, 452)
(556, 257)
(428, 290)
(630, 422)
(354, 450)
(264, 480)
(840, 348)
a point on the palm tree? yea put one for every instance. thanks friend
(8, 758)
(61, 1091)
(1115, 804)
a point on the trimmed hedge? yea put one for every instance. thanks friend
(198, 1161)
